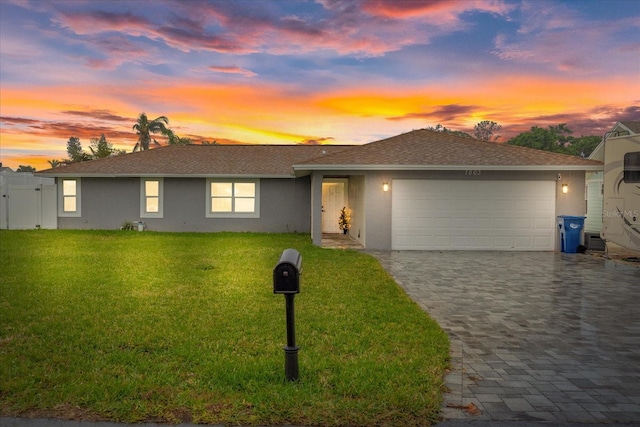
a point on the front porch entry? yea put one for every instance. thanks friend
(340, 241)
(334, 198)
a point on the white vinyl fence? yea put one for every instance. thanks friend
(27, 201)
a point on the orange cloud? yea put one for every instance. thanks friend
(434, 8)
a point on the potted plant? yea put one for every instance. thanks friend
(344, 222)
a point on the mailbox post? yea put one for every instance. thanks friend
(286, 280)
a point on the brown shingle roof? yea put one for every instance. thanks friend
(425, 148)
(418, 149)
(632, 126)
(201, 160)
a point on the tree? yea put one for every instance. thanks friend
(557, 139)
(74, 150)
(552, 139)
(145, 127)
(440, 128)
(101, 148)
(175, 139)
(23, 168)
(486, 130)
(54, 163)
(344, 222)
(583, 146)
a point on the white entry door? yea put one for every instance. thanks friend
(485, 215)
(333, 200)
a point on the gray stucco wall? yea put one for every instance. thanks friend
(105, 203)
(108, 202)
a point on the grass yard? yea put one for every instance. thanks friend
(180, 327)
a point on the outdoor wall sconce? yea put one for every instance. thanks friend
(565, 188)
(385, 186)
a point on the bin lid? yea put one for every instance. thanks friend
(571, 217)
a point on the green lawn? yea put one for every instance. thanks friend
(182, 327)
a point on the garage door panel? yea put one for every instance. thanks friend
(423, 240)
(484, 223)
(421, 205)
(522, 205)
(502, 242)
(543, 223)
(483, 205)
(442, 204)
(427, 213)
(463, 223)
(440, 223)
(404, 224)
(504, 215)
(404, 242)
(483, 241)
(544, 241)
(463, 241)
(461, 232)
(523, 223)
(502, 223)
(440, 241)
(461, 205)
(522, 242)
(500, 205)
(541, 206)
(423, 222)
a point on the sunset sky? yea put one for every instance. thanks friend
(315, 71)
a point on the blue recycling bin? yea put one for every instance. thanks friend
(570, 232)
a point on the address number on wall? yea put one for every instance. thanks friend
(472, 172)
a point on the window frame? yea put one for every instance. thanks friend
(143, 198)
(233, 213)
(62, 196)
(631, 167)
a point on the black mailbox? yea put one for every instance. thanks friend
(286, 274)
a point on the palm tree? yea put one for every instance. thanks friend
(144, 128)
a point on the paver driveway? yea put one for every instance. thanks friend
(534, 335)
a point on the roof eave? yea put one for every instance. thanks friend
(299, 168)
(159, 175)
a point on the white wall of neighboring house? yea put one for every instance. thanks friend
(27, 201)
(594, 196)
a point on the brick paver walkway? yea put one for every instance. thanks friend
(535, 336)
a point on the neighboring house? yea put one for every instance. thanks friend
(443, 191)
(595, 195)
(621, 188)
(26, 201)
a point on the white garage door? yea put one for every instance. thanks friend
(483, 215)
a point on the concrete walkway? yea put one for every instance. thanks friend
(535, 336)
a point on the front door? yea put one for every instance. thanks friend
(333, 200)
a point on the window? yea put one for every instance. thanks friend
(151, 197)
(632, 167)
(233, 199)
(69, 197)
